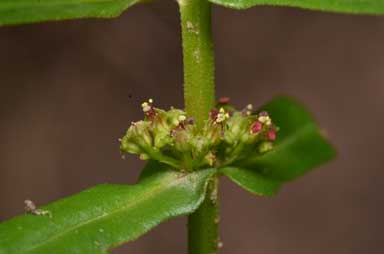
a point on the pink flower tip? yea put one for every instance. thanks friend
(271, 134)
(213, 114)
(256, 127)
(224, 100)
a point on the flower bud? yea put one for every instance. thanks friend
(256, 127)
(265, 147)
(137, 138)
(223, 100)
(271, 134)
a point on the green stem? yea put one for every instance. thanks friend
(199, 96)
(199, 93)
(203, 236)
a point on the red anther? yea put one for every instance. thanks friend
(271, 134)
(256, 127)
(263, 113)
(151, 113)
(181, 126)
(191, 120)
(224, 100)
(213, 114)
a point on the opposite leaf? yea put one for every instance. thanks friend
(252, 181)
(347, 6)
(29, 11)
(105, 216)
(300, 146)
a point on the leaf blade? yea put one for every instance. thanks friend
(14, 12)
(105, 216)
(252, 181)
(374, 7)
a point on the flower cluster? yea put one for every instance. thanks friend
(228, 136)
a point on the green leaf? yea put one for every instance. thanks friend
(300, 146)
(347, 6)
(151, 168)
(29, 11)
(252, 181)
(105, 216)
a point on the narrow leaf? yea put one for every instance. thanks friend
(347, 6)
(105, 216)
(29, 11)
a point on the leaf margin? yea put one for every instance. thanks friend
(3, 229)
(305, 5)
(37, 11)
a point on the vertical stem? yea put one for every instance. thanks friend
(199, 96)
(203, 236)
(199, 93)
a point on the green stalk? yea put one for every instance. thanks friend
(199, 88)
(203, 235)
(199, 96)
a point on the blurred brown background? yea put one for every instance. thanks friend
(70, 89)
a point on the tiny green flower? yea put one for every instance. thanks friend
(172, 138)
(221, 116)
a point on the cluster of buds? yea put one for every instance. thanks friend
(263, 120)
(172, 138)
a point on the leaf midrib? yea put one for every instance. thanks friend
(168, 184)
